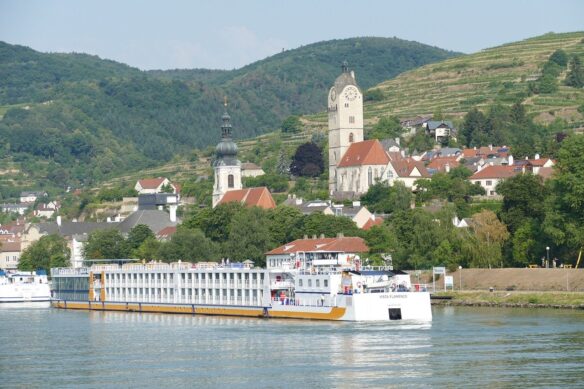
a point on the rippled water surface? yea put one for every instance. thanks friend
(462, 347)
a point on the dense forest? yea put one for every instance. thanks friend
(75, 119)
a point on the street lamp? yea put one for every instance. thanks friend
(460, 277)
(547, 262)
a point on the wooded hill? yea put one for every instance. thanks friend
(72, 119)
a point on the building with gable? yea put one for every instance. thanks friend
(155, 185)
(356, 164)
(228, 172)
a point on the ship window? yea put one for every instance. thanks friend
(230, 181)
(318, 283)
(300, 282)
(326, 283)
(310, 283)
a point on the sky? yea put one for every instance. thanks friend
(222, 34)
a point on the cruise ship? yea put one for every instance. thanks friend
(22, 286)
(320, 285)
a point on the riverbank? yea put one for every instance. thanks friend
(512, 299)
(510, 279)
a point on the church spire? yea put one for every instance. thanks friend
(226, 126)
(345, 66)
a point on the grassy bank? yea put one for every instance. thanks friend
(513, 299)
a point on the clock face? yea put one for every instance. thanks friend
(351, 93)
(333, 94)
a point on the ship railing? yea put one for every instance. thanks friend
(68, 271)
(300, 303)
(281, 284)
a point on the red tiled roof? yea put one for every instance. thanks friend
(546, 172)
(496, 171)
(343, 245)
(440, 163)
(151, 183)
(372, 222)
(258, 197)
(166, 232)
(10, 247)
(368, 152)
(405, 166)
(540, 161)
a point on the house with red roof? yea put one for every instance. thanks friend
(155, 185)
(250, 197)
(316, 248)
(490, 176)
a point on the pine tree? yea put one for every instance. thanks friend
(283, 164)
(575, 75)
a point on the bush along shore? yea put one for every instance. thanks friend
(510, 299)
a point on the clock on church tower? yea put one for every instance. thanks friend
(345, 111)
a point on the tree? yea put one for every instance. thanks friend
(328, 225)
(283, 164)
(564, 219)
(48, 252)
(188, 245)
(386, 127)
(387, 199)
(214, 222)
(291, 124)
(489, 234)
(307, 161)
(559, 57)
(105, 244)
(523, 199)
(575, 76)
(138, 235)
(249, 236)
(285, 224)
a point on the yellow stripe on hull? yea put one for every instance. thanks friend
(335, 313)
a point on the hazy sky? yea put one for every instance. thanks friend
(228, 34)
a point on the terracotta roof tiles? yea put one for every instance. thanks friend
(258, 197)
(344, 245)
(368, 152)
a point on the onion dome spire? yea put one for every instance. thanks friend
(226, 150)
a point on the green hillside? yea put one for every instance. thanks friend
(71, 119)
(499, 74)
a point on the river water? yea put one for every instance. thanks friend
(462, 347)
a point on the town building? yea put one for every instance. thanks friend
(249, 169)
(31, 197)
(356, 164)
(156, 185)
(322, 248)
(227, 167)
(9, 255)
(250, 197)
(228, 172)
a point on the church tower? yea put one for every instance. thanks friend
(345, 119)
(227, 167)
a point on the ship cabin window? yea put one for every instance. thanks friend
(310, 283)
(300, 282)
(202, 276)
(318, 283)
(326, 283)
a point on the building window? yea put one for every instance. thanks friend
(310, 283)
(351, 119)
(346, 105)
(389, 174)
(326, 283)
(351, 138)
(492, 193)
(318, 283)
(370, 177)
(230, 181)
(488, 183)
